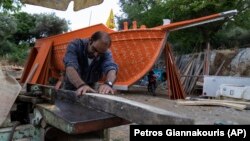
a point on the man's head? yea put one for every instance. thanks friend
(99, 43)
(151, 72)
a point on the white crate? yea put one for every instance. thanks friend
(212, 83)
(246, 94)
(234, 91)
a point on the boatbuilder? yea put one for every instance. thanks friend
(87, 61)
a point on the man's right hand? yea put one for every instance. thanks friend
(83, 89)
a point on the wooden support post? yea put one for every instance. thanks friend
(31, 74)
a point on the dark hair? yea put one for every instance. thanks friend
(101, 35)
(151, 72)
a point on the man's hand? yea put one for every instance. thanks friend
(82, 90)
(105, 89)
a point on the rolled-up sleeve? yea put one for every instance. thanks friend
(71, 58)
(108, 63)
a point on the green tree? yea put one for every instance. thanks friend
(7, 28)
(30, 27)
(181, 10)
(237, 33)
(25, 25)
(10, 5)
(18, 32)
(49, 24)
(151, 13)
(145, 12)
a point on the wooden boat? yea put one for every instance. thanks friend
(134, 50)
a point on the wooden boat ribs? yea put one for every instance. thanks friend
(135, 51)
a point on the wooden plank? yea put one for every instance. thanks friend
(30, 75)
(196, 73)
(40, 60)
(28, 65)
(220, 67)
(129, 110)
(9, 90)
(176, 75)
(212, 103)
(228, 101)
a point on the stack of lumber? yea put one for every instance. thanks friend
(239, 105)
(191, 69)
(175, 88)
(194, 66)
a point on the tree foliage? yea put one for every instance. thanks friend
(237, 33)
(38, 26)
(7, 28)
(10, 5)
(19, 30)
(145, 12)
(151, 13)
(25, 25)
(49, 24)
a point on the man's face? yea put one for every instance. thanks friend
(97, 48)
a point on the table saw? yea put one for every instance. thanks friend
(43, 113)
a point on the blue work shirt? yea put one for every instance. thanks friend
(76, 56)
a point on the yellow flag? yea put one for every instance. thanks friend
(110, 22)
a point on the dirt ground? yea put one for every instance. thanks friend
(210, 115)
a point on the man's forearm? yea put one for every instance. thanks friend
(74, 77)
(111, 76)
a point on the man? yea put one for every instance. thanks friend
(86, 60)
(151, 82)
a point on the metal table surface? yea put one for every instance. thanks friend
(74, 118)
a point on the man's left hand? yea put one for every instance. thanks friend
(105, 89)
